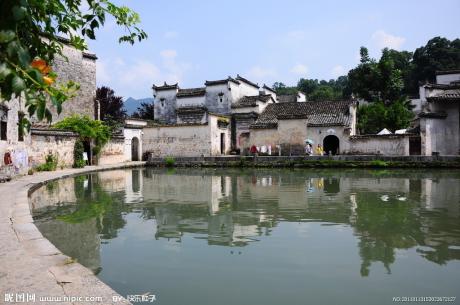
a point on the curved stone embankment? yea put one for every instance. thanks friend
(31, 267)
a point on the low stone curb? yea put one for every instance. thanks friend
(31, 267)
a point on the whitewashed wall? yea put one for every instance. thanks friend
(389, 145)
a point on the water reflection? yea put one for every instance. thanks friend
(388, 211)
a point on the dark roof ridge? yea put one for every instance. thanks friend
(267, 87)
(240, 78)
(442, 86)
(221, 81)
(166, 86)
(443, 72)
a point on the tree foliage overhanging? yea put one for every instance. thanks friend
(385, 84)
(30, 38)
(87, 129)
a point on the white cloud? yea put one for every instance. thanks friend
(338, 71)
(168, 54)
(384, 40)
(259, 73)
(299, 69)
(140, 72)
(134, 77)
(170, 34)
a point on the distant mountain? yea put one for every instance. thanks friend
(131, 104)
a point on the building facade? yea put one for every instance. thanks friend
(238, 99)
(283, 128)
(439, 119)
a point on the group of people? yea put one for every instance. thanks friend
(317, 151)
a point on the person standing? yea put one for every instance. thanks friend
(253, 150)
(319, 150)
(308, 149)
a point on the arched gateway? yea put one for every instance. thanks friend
(331, 145)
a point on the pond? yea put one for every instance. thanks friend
(253, 236)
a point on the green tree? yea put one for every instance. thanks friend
(145, 111)
(307, 86)
(438, 54)
(364, 79)
(30, 33)
(375, 116)
(322, 93)
(281, 89)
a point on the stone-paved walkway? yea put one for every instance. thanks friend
(30, 266)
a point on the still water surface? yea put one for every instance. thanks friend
(261, 236)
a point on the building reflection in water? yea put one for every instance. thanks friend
(387, 210)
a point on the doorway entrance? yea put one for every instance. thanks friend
(135, 149)
(222, 143)
(331, 145)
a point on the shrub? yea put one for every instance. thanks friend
(51, 162)
(170, 161)
(78, 151)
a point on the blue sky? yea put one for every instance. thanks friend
(266, 41)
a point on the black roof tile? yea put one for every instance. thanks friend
(326, 113)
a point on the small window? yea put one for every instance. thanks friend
(220, 99)
(20, 127)
(3, 122)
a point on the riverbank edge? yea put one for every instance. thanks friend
(342, 161)
(30, 264)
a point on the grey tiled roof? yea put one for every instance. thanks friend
(191, 92)
(327, 113)
(251, 101)
(448, 95)
(433, 115)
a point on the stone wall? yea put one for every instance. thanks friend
(113, 152)
(9, 112)
(176, 140)
(441, 135)
(165, 106)
(44, 142)
(81, 68)
(388, 145)
(186, 140)
(216, 103)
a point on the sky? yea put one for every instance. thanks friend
(265, 41)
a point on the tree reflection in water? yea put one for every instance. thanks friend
(387, 210)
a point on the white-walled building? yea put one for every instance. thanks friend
(439, 119)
